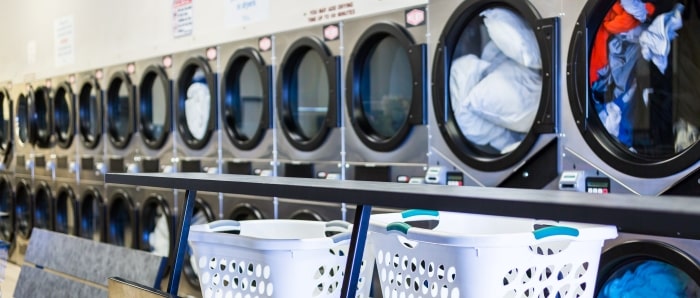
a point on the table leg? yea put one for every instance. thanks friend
(185, 219)
(357, 249)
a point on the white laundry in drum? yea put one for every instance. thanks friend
(159, 239)
(197, 106)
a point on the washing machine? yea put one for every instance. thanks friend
(122, 215)
(206, 209)
(634, 137)
(23, 216)
(120, 107)
(639, 137)
(6, 158)
(66, 207)
(385, 117)
(308, 107)
(42, 120)
(246, 120)
(90, 126)
(493, 119)
(155, 149)
(197, 137)
(64, 160)
(92, 210)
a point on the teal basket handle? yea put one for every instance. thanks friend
(551, 231)
(398, 226)
(224, 225)
(420, 212)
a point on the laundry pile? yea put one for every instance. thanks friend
(651, 279)
(495, 96)
(634, 32)
(198, 100)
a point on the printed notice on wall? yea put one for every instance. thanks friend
(64, 41)
(242, 12)
(182, 18)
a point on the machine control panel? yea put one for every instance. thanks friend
(440, 175)
(581, 181)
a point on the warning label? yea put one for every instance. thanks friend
(327, 13)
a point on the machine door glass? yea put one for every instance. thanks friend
(6, 206)
(154, 107)
(647, 268)
(196, 103)
(23, 127)
(42, 118)
(64, 115)
(307, 94)
(23, 209)
(385, 79)
(6, 125)
(156, 226)
(634, 89)
(491, 81)
(43, 211)
(66, 211)
(245, 99)
(121, 220)
(92, 215)
(120, 110)
(90, 114)
(246, 211)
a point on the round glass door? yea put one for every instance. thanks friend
(245, 99)
(90, 114)
(23, 116)
(43, 211)
(23, 209)
(66, 211)
(64, 115)
(489, 79)
(120, 110)
(634, 90)
(42, 118)
(122, 222)
(92, 213)
(647, 269)
(6, 126)
(156, 226)
(246, 211)
(307, 101)
(385, 86)
(154, 107)
(306, 214)
(196, 103)
(7, 206)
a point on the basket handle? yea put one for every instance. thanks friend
(341, 237)
(225, 226)
(408, 214)
(542, 232)
(412, 215)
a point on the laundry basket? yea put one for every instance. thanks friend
(468, 255)
(274, 258)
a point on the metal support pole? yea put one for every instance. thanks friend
(185, 219)
(357, 249)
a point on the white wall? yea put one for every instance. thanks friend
(120, 31)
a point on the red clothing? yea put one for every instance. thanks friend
(615, 22)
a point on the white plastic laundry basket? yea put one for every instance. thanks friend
(476, 256)
(274, 258)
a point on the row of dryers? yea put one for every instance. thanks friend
(592, 96)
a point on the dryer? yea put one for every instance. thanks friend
(494, 93)
(308, 105)
(64, 160)
(624, 128)
(155, 150)
(633, 129)
(90, 126)
(92, 210)
(386, 96)
(66, 208)
(120, 108)
(42, 120)
(6, 159)
(246, 121)
(197, 137)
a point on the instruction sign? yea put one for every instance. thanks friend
(242, 12)
(64, 41)
(183, 17)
